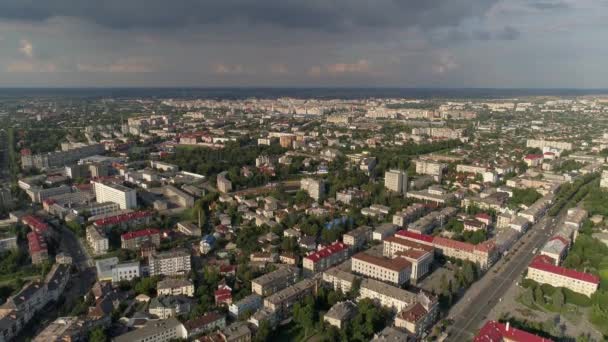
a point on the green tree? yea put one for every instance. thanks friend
(539, 296)
(263, 332)
(558, 298)
(98, 335)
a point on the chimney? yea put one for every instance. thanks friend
(508, 326)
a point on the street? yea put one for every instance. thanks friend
(471, 310)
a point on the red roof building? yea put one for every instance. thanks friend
(134, 240)
(543, 270)
(494, 331)
(37, 247)
(416, 237)
(223, 295)
(137, 217)
(326, 257)
(35, 223)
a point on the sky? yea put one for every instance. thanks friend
(303, 43)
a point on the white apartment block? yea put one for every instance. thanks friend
(125, 197)
(395, 271)
(432, 168)
(562, 145)
(315, 188)
(125, 271)
(170, 263)
(98, 241)
(396, 180)
(175, 287)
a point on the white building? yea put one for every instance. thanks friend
(125, 271)
(396, 180)
(125, 197)
(315, 188)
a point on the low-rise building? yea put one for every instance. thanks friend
(156, 331)
(246, 305)
(419, 316)
(395, 271)
(125, 271)
(209, 322)
(282, 302)
(169, 306)
(494, 331)
(275, 281)
(323, 259)
(339, 279)
(134, 240)
(340, 313)
(175, 287)
(386, 295)
(542, 270)
(188, 228)
(357, 237)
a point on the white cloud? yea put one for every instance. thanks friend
(26, 48)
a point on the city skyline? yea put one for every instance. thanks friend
(445, 44)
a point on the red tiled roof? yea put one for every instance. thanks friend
(35, 223)
(449, 243)
(327, 251)
(36, 242)
(409, 244)
(139, 233)
(560, 238)
(396, 264)
(534, 156)
(112, 220)
(410, 235)
(542, 264)
(494, 331)
(413, 313)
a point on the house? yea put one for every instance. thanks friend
(340, 313)
(169, 306)
(209, 322)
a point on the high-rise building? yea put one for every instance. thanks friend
(314, 188)
(396, 180)
(125, 197)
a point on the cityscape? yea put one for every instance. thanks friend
(306, 171)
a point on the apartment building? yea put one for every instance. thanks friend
(275, 281)
(175, 287)
(170, 263)
(38, 249)
(339, 279)
(386, 295)
(124, 220)
(134, 240)
(395, 271)
(357, 237)
(396, 180)
(556, 249)
(125, 197)
(223, 184)
(314, 187)
(97, 240)
(431, 168)
(419, 316)
(541, 144)
(70, 154)
(324, 258)
(156, 331)
(483, 254)
(542, 270)
(249, 304)
(408, 214)
(188, 228)
(282, 302)
(125, 271)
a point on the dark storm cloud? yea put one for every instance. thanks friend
(324, 15)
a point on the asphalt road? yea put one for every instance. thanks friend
(470, 312)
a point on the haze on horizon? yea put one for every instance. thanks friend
(398, 43)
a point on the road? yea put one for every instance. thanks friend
(73, 246)
(471, 310)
